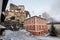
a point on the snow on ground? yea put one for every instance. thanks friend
(24, 35)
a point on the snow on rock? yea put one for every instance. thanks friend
(47, 38)
(23, 30)
(7, 32)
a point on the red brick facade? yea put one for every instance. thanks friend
(36, 25)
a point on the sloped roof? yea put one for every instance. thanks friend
(54, 23)
(35, 16)
(13, 6)
(20, 5)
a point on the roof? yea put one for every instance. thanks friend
(12, 4)
(2, 26)
(35, 16)
(54, 23)
(20, 5)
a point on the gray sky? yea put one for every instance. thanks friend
(37, 7)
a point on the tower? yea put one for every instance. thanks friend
(21, 8)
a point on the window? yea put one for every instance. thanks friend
(39, 27)
(37, 20)
(32, 21)
(33, 27)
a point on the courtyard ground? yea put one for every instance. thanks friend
(24, 35)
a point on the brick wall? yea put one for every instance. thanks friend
(36, 26)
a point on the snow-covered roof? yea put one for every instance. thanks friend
(2, 26)
(33, 17)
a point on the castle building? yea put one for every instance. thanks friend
(36, 25)
(21, 8)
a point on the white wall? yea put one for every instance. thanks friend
(57, 26)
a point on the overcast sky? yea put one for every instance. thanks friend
(37, 7)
